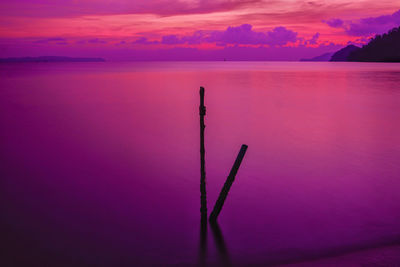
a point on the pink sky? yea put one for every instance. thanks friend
(190, 29)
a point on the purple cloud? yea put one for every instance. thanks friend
(240, 35)
(97, 41)
(145, 41)
(172, 40)
(374, 25)
(195, 38)
(244, 34)
(367, 26)
(55, 40)
(314, 39)
(334, 23)
(281, 36)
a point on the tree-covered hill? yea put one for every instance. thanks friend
(382, 48)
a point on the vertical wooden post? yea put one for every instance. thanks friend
(203, 196)
(227, 186)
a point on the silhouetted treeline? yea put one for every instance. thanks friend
(383, 48)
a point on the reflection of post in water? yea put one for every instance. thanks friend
(220, 243)
(203, 242)
(203, 195)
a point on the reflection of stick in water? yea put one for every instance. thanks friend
(227, 185)
(203, 198)
(220, 242)
(203, 243)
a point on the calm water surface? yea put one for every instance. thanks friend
(100, 162)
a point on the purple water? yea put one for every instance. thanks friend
(100, 163)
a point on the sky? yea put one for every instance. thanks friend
(190, 29)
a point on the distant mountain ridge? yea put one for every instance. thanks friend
(344, 53)
(323, 57)
(50, 59)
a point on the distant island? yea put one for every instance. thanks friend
(50, 59)
(382, 48)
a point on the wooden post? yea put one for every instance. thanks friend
(203, 195)
(227, 186)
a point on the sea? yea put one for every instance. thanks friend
(100, 162)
